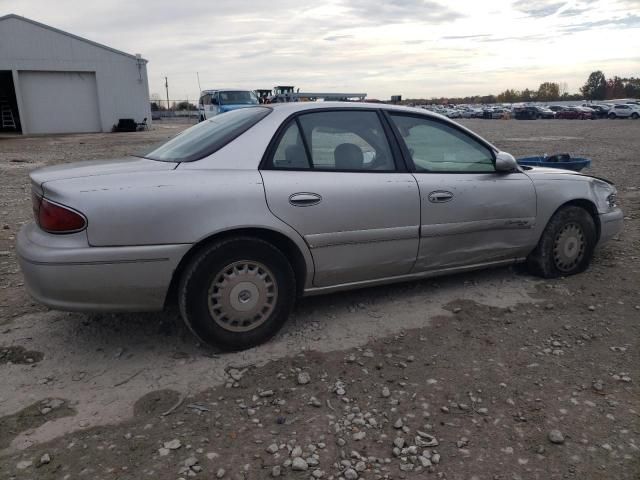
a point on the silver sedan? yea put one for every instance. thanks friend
(238, 216)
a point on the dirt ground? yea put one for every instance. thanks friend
(487, 375)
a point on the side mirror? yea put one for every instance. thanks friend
(505, 162)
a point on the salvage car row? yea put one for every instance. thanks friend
(585, 111)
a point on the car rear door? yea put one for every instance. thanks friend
(333, 176)
(470, 213)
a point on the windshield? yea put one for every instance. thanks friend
(209, 136)
(237, 97)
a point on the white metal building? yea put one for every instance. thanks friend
(55, 82)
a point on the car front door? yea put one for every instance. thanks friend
(333, 176)
(470, 213)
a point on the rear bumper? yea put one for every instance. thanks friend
(65, 273)
(610, 225)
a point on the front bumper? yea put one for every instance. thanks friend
(65, 273)
(610, 225)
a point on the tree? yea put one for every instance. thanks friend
(509, 96)
(631, 87)
(528, 95)
(615, 88)
(548, 91)
(184, 106)
(596, 86)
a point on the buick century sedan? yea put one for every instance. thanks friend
(237, 217)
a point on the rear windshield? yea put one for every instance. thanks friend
(209, 136)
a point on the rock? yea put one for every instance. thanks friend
(463, 442)
(555, 436)
(44, 459)
(315, 402)
(190, 462)
(592, 308)
(598, 385)
(266, 393)
(360, 466)
(350, 474)
(212, 455)
(24, 464)
(359, 435)
(299, 464)
(220, 473)
(398, 424)
(296, 452)
(385, 392)
(435, 458)
(163, 452)
(273, 448)
(275, 471)
(173, 444)
(398, 442)
(304, 378)
(425, 440)
(424, 461)
(317, 473)
(444, 409)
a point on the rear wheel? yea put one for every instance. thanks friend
(612, 116)
(237, 293)
(567, 244)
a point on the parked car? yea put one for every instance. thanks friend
(238, 216)
(556, 108)
(624, 111)
(597, 110)
(533, 113)
(215, 102)
(544, 112)
(573, 113)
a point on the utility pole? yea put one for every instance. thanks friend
(166, 86)
(199, 87)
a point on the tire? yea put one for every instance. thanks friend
(237, 293)
(635, 116)
(566, 246)
(612, 116)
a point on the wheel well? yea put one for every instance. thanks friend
(587, 205)
(278, 240)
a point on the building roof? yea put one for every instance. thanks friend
(53, 29)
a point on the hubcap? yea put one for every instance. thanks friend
(242, 296)
(568, 248)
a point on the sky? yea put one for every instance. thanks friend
(413, 48)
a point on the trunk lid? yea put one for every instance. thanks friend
(98, 167)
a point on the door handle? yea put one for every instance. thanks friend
(440, 196)
(304, 199)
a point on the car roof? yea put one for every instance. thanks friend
(227, 90)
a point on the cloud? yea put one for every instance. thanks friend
(464, 37)
(630, 21)
(333, 38)
(538, 8)
(388, 12)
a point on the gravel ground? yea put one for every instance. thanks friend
(488, 375)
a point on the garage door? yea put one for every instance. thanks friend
(59, 102)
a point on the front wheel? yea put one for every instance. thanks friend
(635, 116)
(237, 293)
(612, 116)
(566, 246)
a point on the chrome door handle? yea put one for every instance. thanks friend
(440, 196)
(304, 199)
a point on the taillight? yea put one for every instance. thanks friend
(55, 218)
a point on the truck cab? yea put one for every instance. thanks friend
(215, 102)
